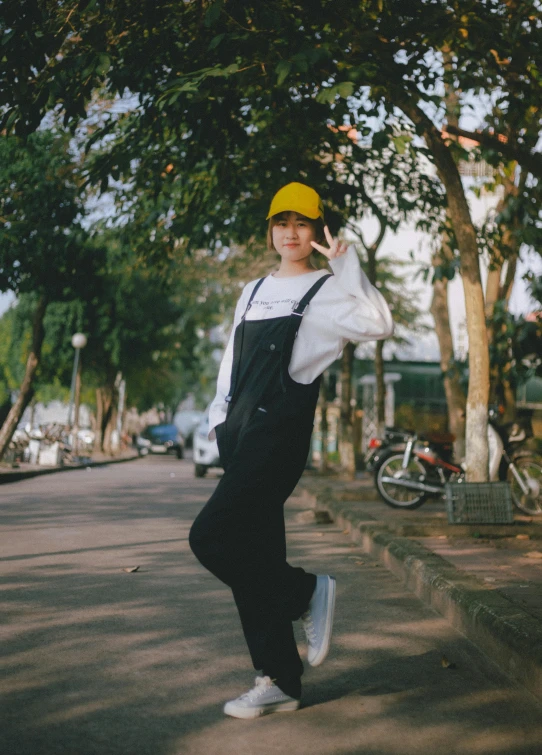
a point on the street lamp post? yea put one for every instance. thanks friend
(79, 341)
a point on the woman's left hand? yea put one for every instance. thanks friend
(336, 248)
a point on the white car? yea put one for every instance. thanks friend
(205, 450)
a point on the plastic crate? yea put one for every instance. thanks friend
(479, 503)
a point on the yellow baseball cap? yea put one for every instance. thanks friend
(296, 197)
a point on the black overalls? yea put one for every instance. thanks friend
(239, 535)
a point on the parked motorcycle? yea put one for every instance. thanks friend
(410, 468)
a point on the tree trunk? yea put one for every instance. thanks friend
(76, 402)
(380, 393)
(98, 422)
(455, 398)
(104, 412)
(478, 394)
(324, 425)
(508, 285)
(346, 436)
(26, 390)
(77, 395)
(493, 288)
(502, 391)
(32, 411)
(509, 398)
(458, 212)
(508, 392)
(110, 417)
(109, 428)
(380, 387)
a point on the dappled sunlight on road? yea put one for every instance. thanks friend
(97, 660)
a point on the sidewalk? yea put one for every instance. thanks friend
(485, 579)
(24, 471)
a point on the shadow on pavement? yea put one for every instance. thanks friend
(98, 661)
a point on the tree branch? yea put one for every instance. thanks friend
(356, 231)
(383, 228)
(532, 161)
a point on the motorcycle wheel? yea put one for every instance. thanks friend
(530, 470)
(394, 495)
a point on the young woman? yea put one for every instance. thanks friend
(288, 328)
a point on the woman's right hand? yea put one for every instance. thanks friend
(336, 248)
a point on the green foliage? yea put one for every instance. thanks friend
(235, 99)
(42, 245)
(389, 48)
(137, 321)
(534, 283)
(394, 281)
(7, 383)
(238, 99)
(446, 270)
(516, 346)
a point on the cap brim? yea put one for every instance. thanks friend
(301, 210)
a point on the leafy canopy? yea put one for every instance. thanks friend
(230, 100)
(42, 243)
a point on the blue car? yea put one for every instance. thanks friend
(161, 439)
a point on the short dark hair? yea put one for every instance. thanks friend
(318, 226)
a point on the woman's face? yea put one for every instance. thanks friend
(292, 236)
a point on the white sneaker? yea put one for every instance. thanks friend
(264, 697)
(318, 619)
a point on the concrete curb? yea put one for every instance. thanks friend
(7, 477)
(511, 637)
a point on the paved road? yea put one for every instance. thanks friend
(98, 661)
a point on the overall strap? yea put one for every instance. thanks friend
(252, 295)
(237, 357)
(293, 327)
(311, 293)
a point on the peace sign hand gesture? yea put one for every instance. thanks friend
(336, 248)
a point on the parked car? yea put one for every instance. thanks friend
(161, 439)
(205, 450)
(187, 421)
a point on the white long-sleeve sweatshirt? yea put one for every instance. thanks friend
(346, 308)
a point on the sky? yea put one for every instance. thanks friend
(5, 301)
